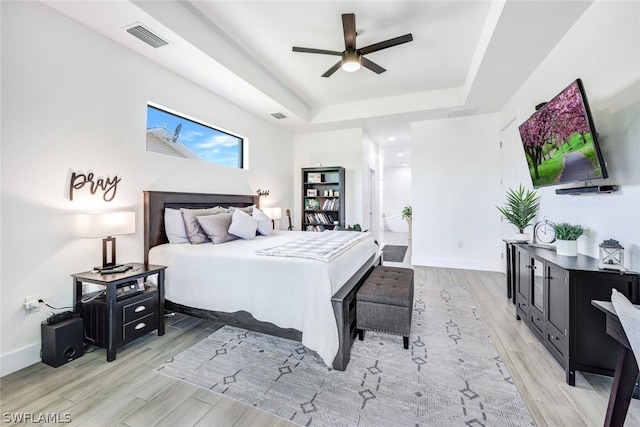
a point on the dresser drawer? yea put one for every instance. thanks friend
(557, 342)
(139, 308)
(139, 327)
(537, 322)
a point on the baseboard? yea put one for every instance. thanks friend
(456, 263)
(19, 359)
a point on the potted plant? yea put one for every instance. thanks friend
(521, 207)
(567, 238)
(406, 214)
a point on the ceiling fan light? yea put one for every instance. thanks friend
(350, 62)
(351, 66)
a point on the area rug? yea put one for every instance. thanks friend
(451, 375)
(393, 253)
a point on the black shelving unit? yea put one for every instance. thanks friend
(322, 198)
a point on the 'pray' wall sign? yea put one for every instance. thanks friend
(108, 186)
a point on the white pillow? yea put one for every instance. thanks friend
(265, 227)
(174, 226)
(243, 225)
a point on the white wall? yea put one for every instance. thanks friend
(335, 148)
(603, 49)
(456, 185)
(397, 190)
(73, 100)
(370, 171)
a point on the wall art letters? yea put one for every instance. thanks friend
(108, 186)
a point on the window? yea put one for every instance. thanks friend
(171, 134)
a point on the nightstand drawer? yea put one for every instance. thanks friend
(140, 308)
(140, 327)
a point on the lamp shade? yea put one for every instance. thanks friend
(273, 213)
(103, 224)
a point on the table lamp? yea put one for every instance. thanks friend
(106, 225)
(273, 213)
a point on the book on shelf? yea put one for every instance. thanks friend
(331, 205)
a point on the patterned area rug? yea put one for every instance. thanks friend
(451, 375)
(394, 253)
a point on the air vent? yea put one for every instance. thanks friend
(147, 36)
(279, 116)
(461, 112)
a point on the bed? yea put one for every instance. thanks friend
(316, 298)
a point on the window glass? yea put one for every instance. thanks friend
(171, 134)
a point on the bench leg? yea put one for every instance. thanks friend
(405, 341)
(361, 334)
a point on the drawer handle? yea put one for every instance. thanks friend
(140, 325)
(140, 308)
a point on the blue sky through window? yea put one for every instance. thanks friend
(209, 144)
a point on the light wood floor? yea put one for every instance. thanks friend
(127, 392)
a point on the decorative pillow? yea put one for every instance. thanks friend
(247, 210)
(174, 226)
(243, 225)
(265, 227)
(194, 231)
(217, 226)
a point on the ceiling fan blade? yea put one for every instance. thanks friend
(349, 28)
(313, 50)
(371, 65)
(385, 44)
(332, 69)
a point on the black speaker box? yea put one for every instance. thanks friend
(62, 342)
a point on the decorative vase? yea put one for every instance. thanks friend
(522, 237)
(567, 247)
(409, 222)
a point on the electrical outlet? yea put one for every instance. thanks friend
(31, 304)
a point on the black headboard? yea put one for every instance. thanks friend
(156, 201)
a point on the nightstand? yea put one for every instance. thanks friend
(113, 318)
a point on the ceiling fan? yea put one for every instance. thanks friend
(353, 58)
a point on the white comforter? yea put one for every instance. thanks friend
(289, 292)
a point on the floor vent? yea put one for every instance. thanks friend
(279, 116)
(147, 36)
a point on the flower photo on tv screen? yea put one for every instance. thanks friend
(560, 141)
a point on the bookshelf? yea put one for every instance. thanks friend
(322, 198)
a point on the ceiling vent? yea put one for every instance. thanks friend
(461, 112)
(147, 36)
(279, 116)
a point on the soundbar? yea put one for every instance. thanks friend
(594, 189)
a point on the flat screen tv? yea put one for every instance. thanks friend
(560, 140)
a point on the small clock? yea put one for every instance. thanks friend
(543, 232)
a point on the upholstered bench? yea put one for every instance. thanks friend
(384, 302)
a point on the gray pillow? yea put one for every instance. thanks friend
(248, 210)
(194, 231)
(217, 227)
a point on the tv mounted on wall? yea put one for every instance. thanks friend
(560, 140)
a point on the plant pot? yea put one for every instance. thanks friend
(567, 247)
(409, 222)
(522, 237)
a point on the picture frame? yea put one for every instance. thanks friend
(312, 192)
(314, 177)
(311, 204)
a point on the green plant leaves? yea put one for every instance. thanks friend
(521, 207)
(566, 231)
